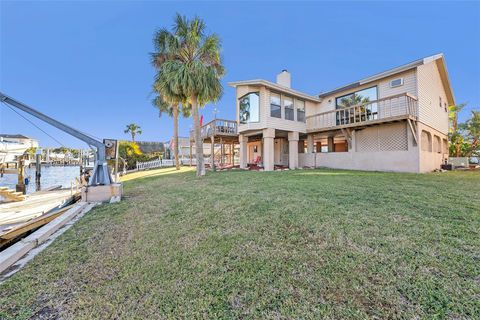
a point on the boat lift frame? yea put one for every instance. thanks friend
(101, 174)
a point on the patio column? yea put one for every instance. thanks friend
(293, 150)
(330, 144)
(268, 149)
(310, 143)
(222, 152)
(243, 150)
(232, 154)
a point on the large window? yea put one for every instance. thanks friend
(361, 100)
(250, 107)
(300, 104)
(275, 105)
(288, 105)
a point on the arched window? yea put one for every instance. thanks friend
(426, 141)
(437, 147)
(249, 107)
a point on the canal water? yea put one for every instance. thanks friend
(51, 176)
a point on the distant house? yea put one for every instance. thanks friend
(183, 148)
(20, 139)
(13, 145)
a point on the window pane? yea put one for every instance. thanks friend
(250, 108)
(275, 107)
(288, 105)
(369, 94)
(361, 99)
(300, 110)
(275, 99)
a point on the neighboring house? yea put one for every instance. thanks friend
(396, 120)
(20, 139)
(13, 145)
(183, 148)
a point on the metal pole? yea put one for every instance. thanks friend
(20, 187)
(38, 170)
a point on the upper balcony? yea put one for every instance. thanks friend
(218, 128)
(393, 108)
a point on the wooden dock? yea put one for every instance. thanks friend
(20, 217)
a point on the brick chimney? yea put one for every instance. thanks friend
(284, 78)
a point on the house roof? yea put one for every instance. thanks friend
(274, 86)
(13, 136)
(438, 58)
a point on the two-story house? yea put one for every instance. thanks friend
(396, 120)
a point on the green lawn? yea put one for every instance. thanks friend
(301, 244)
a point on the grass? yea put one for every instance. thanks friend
(304, 244)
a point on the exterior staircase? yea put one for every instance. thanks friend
(12, 194)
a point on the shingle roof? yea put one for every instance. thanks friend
(13, 136)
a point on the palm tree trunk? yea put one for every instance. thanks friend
(175, 136)
(198, 138)
(133, 137)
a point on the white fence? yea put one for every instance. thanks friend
(155, 164)
(167, 163)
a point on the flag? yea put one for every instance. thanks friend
(201, 120)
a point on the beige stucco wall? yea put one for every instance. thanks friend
(425, 156)
(431, 157)
(252, 156)
(266, 121)
(384, 149)
(430, 90)
(396, 161)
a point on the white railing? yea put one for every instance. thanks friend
(381, 109)
(155, 164)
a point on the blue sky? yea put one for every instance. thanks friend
(87, 63)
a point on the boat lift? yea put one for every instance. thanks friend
(101, 174)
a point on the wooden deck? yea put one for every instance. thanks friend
(218, 130)
(390, 109)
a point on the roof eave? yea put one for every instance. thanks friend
(375, 77)
(276, 86)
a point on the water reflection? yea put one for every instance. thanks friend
(51, 176)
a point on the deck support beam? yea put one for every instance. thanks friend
(413, 128)
(348, 135)
(310, 143)
(212, 154)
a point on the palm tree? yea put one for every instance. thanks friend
(172, 109)
(456, 138)
(134, 129)
(453, 112)
(189, 61)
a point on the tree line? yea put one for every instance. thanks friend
(464, 137)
